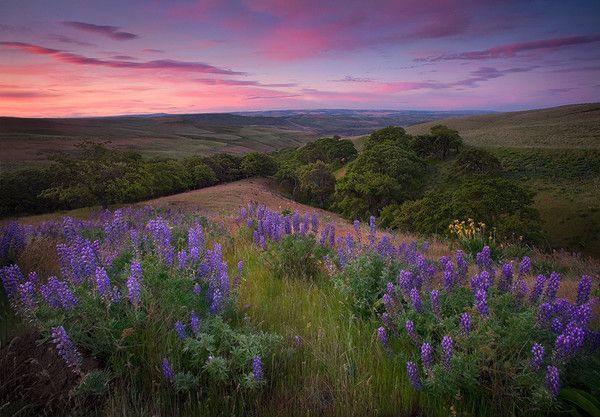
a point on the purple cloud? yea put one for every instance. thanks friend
(67, 40)
(112, 32)
(165, 64)
(512, 49)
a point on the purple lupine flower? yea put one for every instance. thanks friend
(66, 348)
(505, 283)
(584, 289)
(584, 314)
(180, 330)
(195, 323)
(372, 230)
(544, 313)
(538, 288)
(448, 276)
(553, 380)
(357, 230)
(465, 323)
(257, 368)
(410, 329)
(484, 258)
(197, 289)
(416, 300)
(136, 271)
(427, 355)
(263, 242)
(447, 350)
(102, 282)
(435, 304)
(383, 337)
(134, 293)
(537, 356)
(11, 279)
(557, 325)
(57, 294)
(413, 375)
(216, 305)
(405, 279)
(297, 341)
(524, 266)
(387, 320)
(520, 289)
(569, 341)
(552, 288)
(168, 370)
(182, 259)
(481, 302)
(27, 296)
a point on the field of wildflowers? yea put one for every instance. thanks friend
(163, 312)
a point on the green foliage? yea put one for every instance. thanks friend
(317, 183)
(387, 172)
(226, 167)
(94, 383)
(363, 282)
(440, 143)
(473, 161)
(333, 151)
(500, 203)
(201, 175)
(298, 257)
(258, 165)
(393, 134)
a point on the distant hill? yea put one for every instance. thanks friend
(31, 140)
(573, 126)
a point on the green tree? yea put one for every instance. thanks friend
(317, 182)
(473, 161)
(258, 165)
(225, 166)
(93, 177)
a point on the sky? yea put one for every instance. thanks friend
(69, 58)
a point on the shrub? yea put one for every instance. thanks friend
(473, 161)
(317, 183)
(298, 257)
(258, 165)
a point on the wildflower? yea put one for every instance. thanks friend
(524, 266)
(197, 289)
(257, 368)
(168, 370)
(544, 313)
(427, 355)
(57, 294)
(552, 288)
(584, 289)
(195, 323)
(465, 322)
(383, 337)
(136, 271)
(447, 350)
(182, 259)
(357, 230)
(416, 300)
(481, 302)
(538, 288)
(435, 304)
(297, 341)
(372, 230)
(27, 296)
(537, 356)
(553, 380)
(413, 375)
(315, 223)
(505, 282)
(134, 293)
(410, 329)
(11, 279)
(66, 348)
(102, 282)
(180, 330)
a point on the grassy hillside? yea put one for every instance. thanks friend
(556, 152)
(575, 126)
(30, 140)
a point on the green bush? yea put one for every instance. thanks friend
(298, 257)
(258, 165)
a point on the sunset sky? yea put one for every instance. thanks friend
(76, 58)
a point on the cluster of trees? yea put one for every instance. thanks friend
(99, 175)
(307, 173)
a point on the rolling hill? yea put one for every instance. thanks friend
(573, 126)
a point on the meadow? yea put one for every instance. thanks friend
(212, 306)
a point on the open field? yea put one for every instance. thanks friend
(28, 142)
(574, 126)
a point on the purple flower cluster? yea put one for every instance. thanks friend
(134, 293)
(160, 233)
(584, 289)
(57, 294)
(11, 277)
(180, 330)
(66, 348)
(538, 288)
(447, 351)
(103, 283)
(465, 323)
(167, 369)
(537, 356)
(257, 369)
(415, 297)
(427, 355)
(553, 380)
(435, 304)
(506, 278)
(413, 375)
(552, 288)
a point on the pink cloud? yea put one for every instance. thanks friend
(163, 64)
